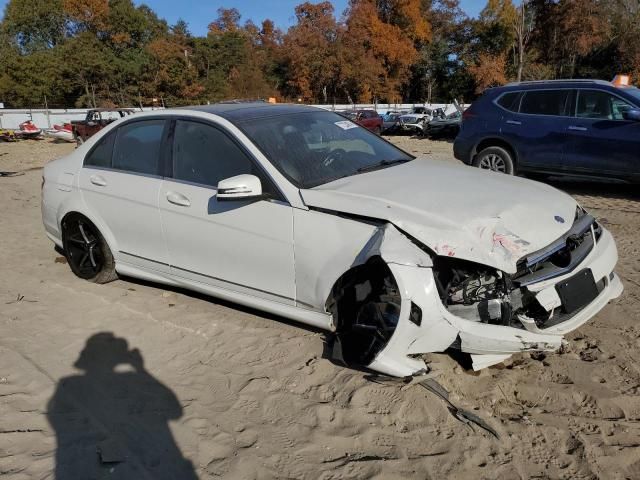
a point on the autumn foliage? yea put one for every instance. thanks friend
(115, 52)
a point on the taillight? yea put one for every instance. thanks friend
(468, 114)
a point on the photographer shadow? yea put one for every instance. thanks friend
(113, 419)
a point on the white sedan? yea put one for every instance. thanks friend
(301, 213)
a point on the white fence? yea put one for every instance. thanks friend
(10, 119)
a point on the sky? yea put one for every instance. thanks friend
(199, 13)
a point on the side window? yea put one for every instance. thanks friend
(510, 101)
(204, 154)
(100, 156)
(137, 147)
(600, 105)
(618, 107)
(545, 102)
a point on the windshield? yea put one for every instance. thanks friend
(314, 148)
(634, 92)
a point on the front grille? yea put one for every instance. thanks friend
(561, 256)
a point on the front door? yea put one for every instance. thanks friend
(120, 182)
(245, 246)
(602, 142)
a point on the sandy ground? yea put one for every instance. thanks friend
(215, 390)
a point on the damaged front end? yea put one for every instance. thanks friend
(388, 312)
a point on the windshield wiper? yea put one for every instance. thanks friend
(382, 164)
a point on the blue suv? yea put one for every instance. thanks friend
(568, 127)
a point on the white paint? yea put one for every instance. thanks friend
(454, 209)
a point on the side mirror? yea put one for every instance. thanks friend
(632, 114)
(240, 187)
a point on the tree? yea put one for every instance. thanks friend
(522, 26)
(99, 52)
(383, 38)
(311, 53)
(583, 26)
(489, 71)
(91, 15)
(228, 21)
(35, 24)
(439, 72)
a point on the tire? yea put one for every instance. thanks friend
(378, 131)
(496, 159)
(86, 250)
(79, 140)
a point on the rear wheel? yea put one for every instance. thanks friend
(86, 250)
(496, 159)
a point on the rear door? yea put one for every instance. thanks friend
(537, 128)
(120, 182)
(602, 142)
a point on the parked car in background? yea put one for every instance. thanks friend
(391, 122)
(568, 127)
(413, 123)
(96, 120)
(447, 127)
(298, 212)
(368, 119)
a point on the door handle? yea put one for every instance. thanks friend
(577, 129)
(98, 180)
(514, 122)
(178, 199)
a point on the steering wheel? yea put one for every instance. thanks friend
(336, 154)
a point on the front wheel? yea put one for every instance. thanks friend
(496, 159)
(86, 250)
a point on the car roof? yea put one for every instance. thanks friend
(562, 84)
(552, 84)
(555, 83)
(235, 112)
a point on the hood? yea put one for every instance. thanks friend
(455, 210)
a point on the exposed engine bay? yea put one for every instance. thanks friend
(475, 292)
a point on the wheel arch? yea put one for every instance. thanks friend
(352, 292)
(495, 142)
(77, 208)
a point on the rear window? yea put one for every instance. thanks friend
(509, 101)
(545, 102)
